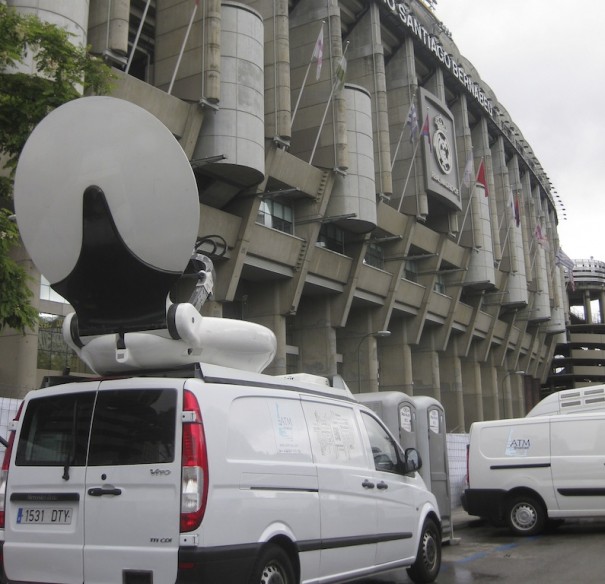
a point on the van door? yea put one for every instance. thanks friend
(396, 497)
(578, 464)
(346, 491)
(45, 496)
(133, 484)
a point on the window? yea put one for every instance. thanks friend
(411, 271)
(55, 430)
(276, 215)
(47, 293)
(53, 351)
(334, 434)
(439, 285)
(331, 237)
(134, 426)
(374, 256)
(130, 427)
(384, 449)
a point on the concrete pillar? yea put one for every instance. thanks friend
(395, 356)
(315, 337)
(491, 394)
(108, 26)
(262, 308)
(451, 390)
(587, 307)
(472, 390)
(427, 380)
(18, 351)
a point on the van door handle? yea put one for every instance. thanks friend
(367, 484)
(99, 491)
(382, 485)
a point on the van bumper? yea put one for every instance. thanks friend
(487, 503)
(231, 564)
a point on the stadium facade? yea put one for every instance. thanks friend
(355, 176)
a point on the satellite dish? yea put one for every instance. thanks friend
(107, 206)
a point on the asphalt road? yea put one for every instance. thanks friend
(572, 553)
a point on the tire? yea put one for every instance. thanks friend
(525, 515)
(273, 566)
(428, 559)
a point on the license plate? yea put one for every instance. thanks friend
(44, 515)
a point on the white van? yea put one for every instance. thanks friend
(527, 471)
(225, 476)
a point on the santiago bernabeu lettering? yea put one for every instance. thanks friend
(431, 43)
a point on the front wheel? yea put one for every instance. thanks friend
(525, 515)
(428, 559)
(273, 566)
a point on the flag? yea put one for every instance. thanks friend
(540, 237)
(468, 172)
(318, 52)
(517, 208)
(341, 71)
(426, 131)
(412, 122)
(480, 180)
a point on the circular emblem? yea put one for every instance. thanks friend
(442, 149)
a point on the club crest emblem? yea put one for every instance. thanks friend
(442, 148)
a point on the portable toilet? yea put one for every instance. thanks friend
(419, 422)
(431, 437)
(397, 410)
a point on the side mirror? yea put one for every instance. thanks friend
(412, 461)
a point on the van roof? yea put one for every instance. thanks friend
(582, 399)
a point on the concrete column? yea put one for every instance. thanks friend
(395, 354)
(587, 307)
(472, 390)
(427, 380)
(491, 396)
(315, 337)
(451, 390)
(18, 351)
(262, 308)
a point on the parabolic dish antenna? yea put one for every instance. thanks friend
(108, 209)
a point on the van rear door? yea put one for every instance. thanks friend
(133, 483)
(44, 520)
(94, 487)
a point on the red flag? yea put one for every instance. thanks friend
(481, 177)
(426, 131)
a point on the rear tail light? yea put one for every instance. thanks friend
(194, 477)
(4, 470)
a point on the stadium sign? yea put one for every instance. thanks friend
(432, 43)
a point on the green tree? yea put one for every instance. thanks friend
(63, 71)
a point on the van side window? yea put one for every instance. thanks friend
(334, 433)
(55, 430)
(268, 429)
(134, 426)
(384, 449)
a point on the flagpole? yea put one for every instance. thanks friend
(407, 178)
(394, 159)
(302, 87)
(334, 85)
(178, 61)
(136, 38)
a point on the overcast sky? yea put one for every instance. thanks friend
(545, 61)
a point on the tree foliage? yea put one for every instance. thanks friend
(61, 72)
